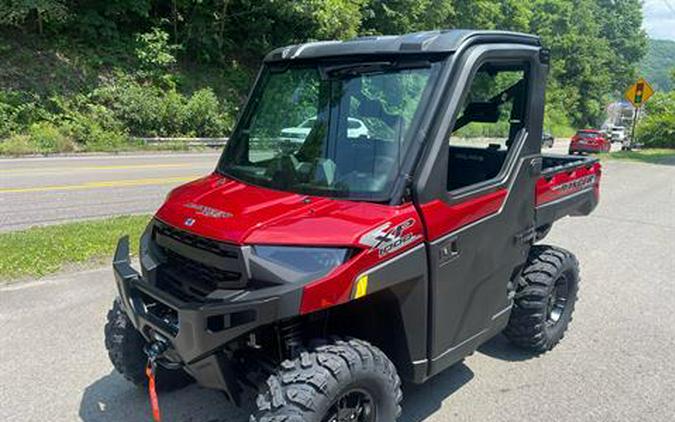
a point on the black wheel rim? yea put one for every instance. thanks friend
(355, 405)
(557, 302)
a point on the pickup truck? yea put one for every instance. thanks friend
(320, 273)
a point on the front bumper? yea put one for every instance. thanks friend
(196, 332)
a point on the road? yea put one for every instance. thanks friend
(617, 362)
(39, 191)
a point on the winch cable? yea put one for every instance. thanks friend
(153, 351)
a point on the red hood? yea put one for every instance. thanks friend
(231, 211)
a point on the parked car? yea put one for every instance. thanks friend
(547, 140)
(320, 290)
(618, 134)
(589, 140)
(355, 129)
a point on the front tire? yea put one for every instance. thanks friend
(338, 382)
(545, 299)
(125, 350)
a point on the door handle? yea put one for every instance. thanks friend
(448, 251)
(535, 166)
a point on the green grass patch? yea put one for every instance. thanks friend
(40, 251)
(652, 156)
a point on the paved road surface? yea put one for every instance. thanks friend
(616, 364)
(37, 191)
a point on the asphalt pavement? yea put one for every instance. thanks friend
(617, 362)
(40, 191)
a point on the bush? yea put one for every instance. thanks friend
(18, 111)
(87, 131)
(48, 138)
(17, 145)
(657, 128)
(149, 111)
(7, 124)
(42, 138)
(203, 115)
(139, 108)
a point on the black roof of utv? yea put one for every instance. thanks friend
(442, 41)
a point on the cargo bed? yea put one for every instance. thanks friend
(569, 185)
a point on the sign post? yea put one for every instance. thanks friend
(637, 94)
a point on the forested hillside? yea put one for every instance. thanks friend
(659, 64)
(87, 74)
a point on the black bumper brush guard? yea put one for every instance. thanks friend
(195, 332)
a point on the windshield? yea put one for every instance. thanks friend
(336, 131)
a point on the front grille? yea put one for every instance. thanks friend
(194, 267)
(198, 242)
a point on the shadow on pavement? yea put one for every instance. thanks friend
(500, 348)
(422, 401)
(113, 399)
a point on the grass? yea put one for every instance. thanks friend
(652, 156)
(20, 145)
(40, 251)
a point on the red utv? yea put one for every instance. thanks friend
(589, 140)
(321, 270)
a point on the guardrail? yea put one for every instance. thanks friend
(209, 142)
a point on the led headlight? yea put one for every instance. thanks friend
(295, 264)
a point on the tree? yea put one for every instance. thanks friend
(621, 25)
(401, 16)
(580, 64)
(22, 12)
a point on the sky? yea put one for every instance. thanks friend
(660, 19)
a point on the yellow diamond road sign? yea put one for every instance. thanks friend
(639, 93)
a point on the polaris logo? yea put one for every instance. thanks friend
(208, 211)
(577, 184)
(189, 222)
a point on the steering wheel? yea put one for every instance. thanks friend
(282, 169)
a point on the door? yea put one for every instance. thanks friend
(480, 223)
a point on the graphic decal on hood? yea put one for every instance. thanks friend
(208, 211)
(387, 238)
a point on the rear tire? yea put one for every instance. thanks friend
(125, 350)
(342, 381)
(545, 299)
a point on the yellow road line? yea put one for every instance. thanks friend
(38, 170)
(103, 184)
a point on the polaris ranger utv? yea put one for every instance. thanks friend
(321, 265)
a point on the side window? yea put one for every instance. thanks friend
(492, 115)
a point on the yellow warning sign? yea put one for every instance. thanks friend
(639, 93)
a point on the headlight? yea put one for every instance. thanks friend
(295, 264)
